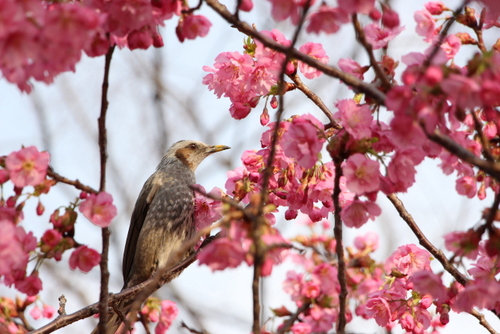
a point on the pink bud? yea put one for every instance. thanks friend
(291, 214)
(40, 209)
(375, 14)
(274, 102)
(264, 117)
(84, 195)
(390, 18)
(435, 7)
(246, 5)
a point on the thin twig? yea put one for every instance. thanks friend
(75, 183)
(339, 249)
(290, 321)
(103, 140)
(360, 35)
(484, 141)
(358, 85)
(315, 98)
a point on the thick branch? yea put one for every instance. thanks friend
(356, 84)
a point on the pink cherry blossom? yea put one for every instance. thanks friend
(48, 311)
(169, 312)
(27, 167)
(84, 258)
(378, 308)
(408, 259)
(379, 37)
(350, 66)
(207, 210)
(463, 243)
(367, 241)
(283, 9)
(451, 46)
(435, 7)
(466, 186)
(426, 282)
(35, 313)
(51, 237)
(326, 275)
(192, 26)
(477, 293)
(301, 328)
(425, 24)
(99, 209)
(30, 285)
(316, 51)
(221, 254)
(302, 142)
(357, 6)
(326, 19)
(390, 18)
(357, 213)
(361, 173)
(356, 119)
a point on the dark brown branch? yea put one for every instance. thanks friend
(103, 141)
(350, 80)
(75, 183)
(360, 35)
(339, 249)
(453, 147)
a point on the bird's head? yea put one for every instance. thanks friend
(192, 152)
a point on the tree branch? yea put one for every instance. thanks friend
(103, 140)
(350, 80)
(453, 147)
(339, 249)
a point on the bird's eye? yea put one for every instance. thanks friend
(193, 146)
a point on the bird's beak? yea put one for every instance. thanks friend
(218, 148)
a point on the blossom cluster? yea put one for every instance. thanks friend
(316, 285)
(28, 168)
(41, 39)
(245, 77)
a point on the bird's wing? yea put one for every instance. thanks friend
(141, 208)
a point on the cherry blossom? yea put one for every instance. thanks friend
(361, 173)
(316, 51)
(302, 142)
(99, 209)
(169, 312)
(84, 258)
(27, 166)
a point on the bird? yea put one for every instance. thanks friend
(163, 217)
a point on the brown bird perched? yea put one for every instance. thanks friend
(163, 216)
